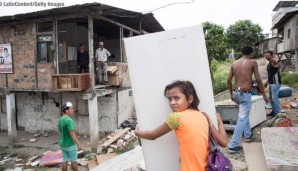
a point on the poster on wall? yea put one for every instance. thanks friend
(5, 59)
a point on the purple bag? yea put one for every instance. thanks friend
(216, 161)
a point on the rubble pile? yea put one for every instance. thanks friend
(115, 143)
(290, 103)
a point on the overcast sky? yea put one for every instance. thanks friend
(222, 12)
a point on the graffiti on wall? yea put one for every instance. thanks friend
(38, 108)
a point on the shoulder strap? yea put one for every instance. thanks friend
(211, 138)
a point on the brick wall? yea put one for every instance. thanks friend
(44, 75)
(23, 56)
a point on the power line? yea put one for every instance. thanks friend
(174, 3)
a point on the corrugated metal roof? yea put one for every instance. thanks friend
(285, 18)
(149, 20)
(282, 4)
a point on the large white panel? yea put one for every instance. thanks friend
(154, 61)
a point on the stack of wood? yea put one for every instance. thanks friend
(113, 75)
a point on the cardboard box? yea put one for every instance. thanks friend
(112, 69)
(113, 79)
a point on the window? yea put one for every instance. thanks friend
(289, 33)
(45, 45)
(45, 49)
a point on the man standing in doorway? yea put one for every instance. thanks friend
(101, 57)
(274, 82)
(242, 70)
(83, 59)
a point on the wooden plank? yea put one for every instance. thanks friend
(71, 82)
(112, 69)
(104, 157)
(100, 17)
(110, 141)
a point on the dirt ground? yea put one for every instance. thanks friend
(24, 149)
(292, 113)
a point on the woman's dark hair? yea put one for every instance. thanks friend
(187, 89)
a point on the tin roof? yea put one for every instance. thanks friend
(126, 17)
(282, 4)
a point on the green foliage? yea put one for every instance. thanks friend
(220, 73)
(216, 41)
(89, 156)
(220, 83)
(214, 65)
(290, 79)
(243, 33)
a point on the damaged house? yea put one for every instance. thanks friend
(43, 73)
(284, 41)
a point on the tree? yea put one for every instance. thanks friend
(243, 33)
(216, 41)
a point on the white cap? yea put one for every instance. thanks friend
(66, 105)
(100, 43)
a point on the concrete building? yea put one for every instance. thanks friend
(43, 75)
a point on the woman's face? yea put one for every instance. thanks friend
(177, 100)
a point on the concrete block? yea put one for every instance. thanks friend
(280, 145)
(120, 143)
(254, 156)
(110, 150)
(127, 137)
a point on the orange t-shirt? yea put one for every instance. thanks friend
(191, 128)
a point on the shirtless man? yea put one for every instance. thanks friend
(242, 70)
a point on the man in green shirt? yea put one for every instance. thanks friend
(68, 141)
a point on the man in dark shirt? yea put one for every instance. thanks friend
(274, 81)
(83, 59)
